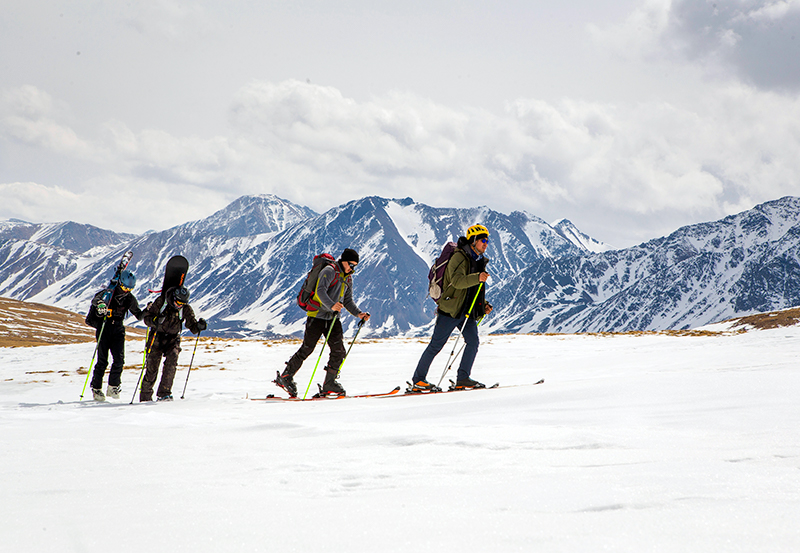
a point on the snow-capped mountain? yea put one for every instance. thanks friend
(251, 215)
(248, 260)
(66, 235)
(568, 230)
(743, 264)
(35, 256)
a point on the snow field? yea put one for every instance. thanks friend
(633, 443)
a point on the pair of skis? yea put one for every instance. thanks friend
(271, 398)
(452, 388)
(395, 392)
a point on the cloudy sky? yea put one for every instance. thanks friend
(629, 117)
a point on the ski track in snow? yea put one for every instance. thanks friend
(633, 443)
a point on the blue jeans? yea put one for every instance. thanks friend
(445, 325)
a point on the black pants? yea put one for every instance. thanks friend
(112, 340)
(167, 347)
(315, 328)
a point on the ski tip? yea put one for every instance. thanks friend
(539, 382)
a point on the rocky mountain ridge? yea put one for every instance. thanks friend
(248, 260)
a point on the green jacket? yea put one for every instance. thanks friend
(458, 278)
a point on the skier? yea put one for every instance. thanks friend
(333, 291)
(463, 278)
(166, 317)
(112, 337)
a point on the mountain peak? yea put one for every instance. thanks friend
(570, 232)
(250, 215)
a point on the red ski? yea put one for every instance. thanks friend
(275, 399)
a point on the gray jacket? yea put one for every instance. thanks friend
(333, 286)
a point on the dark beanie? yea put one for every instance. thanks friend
(349, 255)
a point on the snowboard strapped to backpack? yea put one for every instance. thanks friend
(436, 274)
(305, 298)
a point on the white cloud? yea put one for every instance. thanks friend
(29, 115)
(654, 165)
(640, 34)
(171, 19)
(161, 156)
(35, 202)
(755, 41)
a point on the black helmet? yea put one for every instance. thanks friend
(180, 295)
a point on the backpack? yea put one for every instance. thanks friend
(93, 319)
(305, 298)
(436, 274)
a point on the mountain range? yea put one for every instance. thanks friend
(248, 260)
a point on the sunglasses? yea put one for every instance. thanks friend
(484, 240)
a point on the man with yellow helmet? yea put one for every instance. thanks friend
(461, 305)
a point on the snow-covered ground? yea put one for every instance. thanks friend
(633, 443)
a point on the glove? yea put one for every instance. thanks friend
(101, 309)
(201, 325)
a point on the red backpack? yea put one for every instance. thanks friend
(436, 274)
(305, 298)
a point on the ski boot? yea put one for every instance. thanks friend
(332, 388)
(113, 391)
(467, 384)
(167, 397)
(287, 383)
(422, 387)
(97, 393)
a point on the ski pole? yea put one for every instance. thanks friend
(333, 321)
(360, 324)
(460, 333)
(144, 360)
(96, 347)
(190, 365)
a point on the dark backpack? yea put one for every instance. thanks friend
(93, 319)
(305, 298)
(436, 274)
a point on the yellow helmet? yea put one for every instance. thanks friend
(476, 230)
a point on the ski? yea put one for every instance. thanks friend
(121, 266)
(452, 388)
(316, 397)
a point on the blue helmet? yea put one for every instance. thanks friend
(127, 280)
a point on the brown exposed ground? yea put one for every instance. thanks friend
(776, 319)
(25, 323)
(34, 324)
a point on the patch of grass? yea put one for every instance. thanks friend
(775, 319)
(27, 324)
